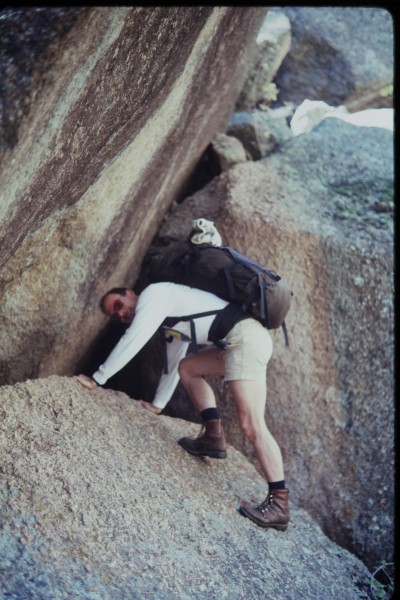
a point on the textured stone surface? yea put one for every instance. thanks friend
(29, 37)
(98, 501)
(227, 151)
(118, 118)
(261, 133)
(308, 212)
(273, 44)
(337, 52)
(131, 99)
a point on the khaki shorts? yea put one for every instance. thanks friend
(248, 352)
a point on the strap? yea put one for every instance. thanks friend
(263, 303)
(191, 318)
(224, 321)
(164, 350)
(193, 339)
(229, 282)
(193, 336)
(285, 333)
(258, 294)
(198, 315)
(222, 344)
(251, 264)
(167, 332)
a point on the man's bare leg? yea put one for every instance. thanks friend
(192, 370)
(250, 400)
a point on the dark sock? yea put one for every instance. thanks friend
(276, 485)
(209, 413)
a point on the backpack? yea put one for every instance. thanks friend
(251, 289)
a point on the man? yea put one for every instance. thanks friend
(242, 363)
(131, 378)
(176, 347)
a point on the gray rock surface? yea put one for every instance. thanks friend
(227, 151)
(119, 108)
(261, 133)
(29, 37)
(115, 126)
(273, 44)
(98, 501)
(337, 53)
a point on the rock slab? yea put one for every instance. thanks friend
(98, 501)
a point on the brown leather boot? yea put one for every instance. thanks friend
(273, 512)
(211, 443)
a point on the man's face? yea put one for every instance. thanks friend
(120, 307)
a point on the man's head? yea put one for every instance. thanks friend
(120, 304)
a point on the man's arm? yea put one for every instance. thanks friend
(149, 406)
(176, 350)
(151, 311)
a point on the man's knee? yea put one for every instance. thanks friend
(184, 369)
(252, 431)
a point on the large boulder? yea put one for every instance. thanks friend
(319, 212)
(339, 54)
(29, 41)
(227, 151)
(261, 133)
(120, 111)
(273, 44)
(99, 501)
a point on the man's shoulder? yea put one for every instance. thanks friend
(160, 289)
(156, 287)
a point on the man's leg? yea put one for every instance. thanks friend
(250, 399)
(191, 371)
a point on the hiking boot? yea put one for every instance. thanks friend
(211, 443)
(273, 512)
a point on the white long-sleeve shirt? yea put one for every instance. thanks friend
(176, 350)
(157, 302)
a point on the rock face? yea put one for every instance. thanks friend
(120, 107)
(227, 151)
(131, 98)
(273, 44)
(341, 55)
(261, 133)
(98, 501)
(29, 37)
(308, 211)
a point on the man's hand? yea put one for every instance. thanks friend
(150, 407)
(87, 382)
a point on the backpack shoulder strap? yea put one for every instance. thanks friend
(251, 264)
(167, 332)
(285, 333)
